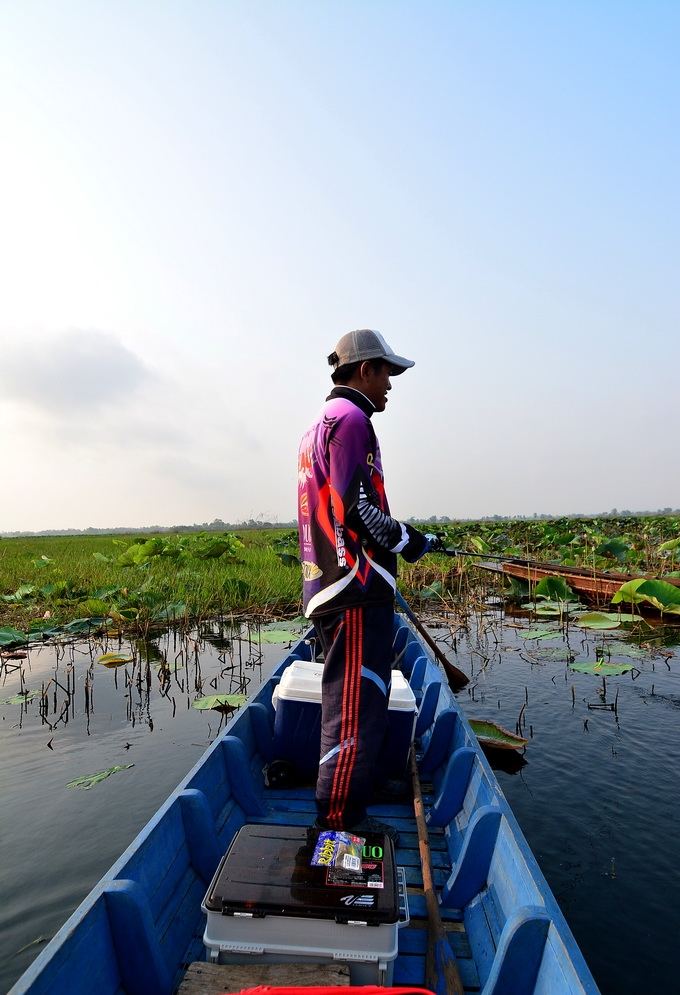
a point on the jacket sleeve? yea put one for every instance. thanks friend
(354, 499)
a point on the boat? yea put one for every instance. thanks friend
(596, 585)
(142, 928)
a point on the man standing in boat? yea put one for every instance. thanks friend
(349, 544)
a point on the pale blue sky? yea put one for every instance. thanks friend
(198, 199)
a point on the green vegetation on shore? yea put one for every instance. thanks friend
(140, 581)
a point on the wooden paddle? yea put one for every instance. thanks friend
(441, 970)
(456, 678)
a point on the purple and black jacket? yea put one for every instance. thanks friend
(348, 540)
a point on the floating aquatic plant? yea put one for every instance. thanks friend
(490, 734)
(597, 620)
(114, 659)
(603, 668)
(223, 702)
(89, 780)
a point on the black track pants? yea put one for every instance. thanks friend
(358, 650)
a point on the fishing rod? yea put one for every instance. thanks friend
(483, 556)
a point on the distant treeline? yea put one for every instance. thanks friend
(217, 525)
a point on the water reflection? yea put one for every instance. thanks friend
(58, 684)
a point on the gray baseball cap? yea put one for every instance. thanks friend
(355, 347)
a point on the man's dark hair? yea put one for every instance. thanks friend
(344, 374)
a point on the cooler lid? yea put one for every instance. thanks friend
(267, 871)
(301, 681)
(402, 697)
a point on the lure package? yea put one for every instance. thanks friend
(335, 848)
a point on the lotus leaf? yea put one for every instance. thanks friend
(597, 620)
(670, 546)
(289, 624)
(616, 548)
(554, 588)
(21, 698)
(214, 549)
(170, 613)
(559, 653)
(433, 590)
(623, 616)
(602, 668)
(628, 592)
(479, 544)
(114, 659)
(22, 593)
(41, 625)
(665, 597)
(11, 637)
(220, 701)
(41, 562)
(552, 607)
(537, 633)
(276, 635)
(103, 593)
(83, 626)
(626, 649)
(89, 780)
(494, 735)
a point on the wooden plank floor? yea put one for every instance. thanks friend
(203, 978)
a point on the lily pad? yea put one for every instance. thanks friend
(626, 649)
(490, 734)
(220, 701)
(289, 624)
(276, 635)
(83, 626)
(89, 780)
(544, 653)
(552, 608)
(603, 668)
(534, 632)
(597, 620)
(21, 699)
(12, 637)
(114, 659)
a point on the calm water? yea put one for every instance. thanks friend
(597, 796)
(56, 842)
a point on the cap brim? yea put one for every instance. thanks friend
(398, 364)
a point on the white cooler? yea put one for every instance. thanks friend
(297, 723)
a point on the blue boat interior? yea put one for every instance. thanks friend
(142, 925)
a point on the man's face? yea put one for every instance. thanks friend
(376, 385)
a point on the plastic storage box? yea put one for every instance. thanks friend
(297, 723)
(267, 903)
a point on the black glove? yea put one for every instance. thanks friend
(434, 543)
